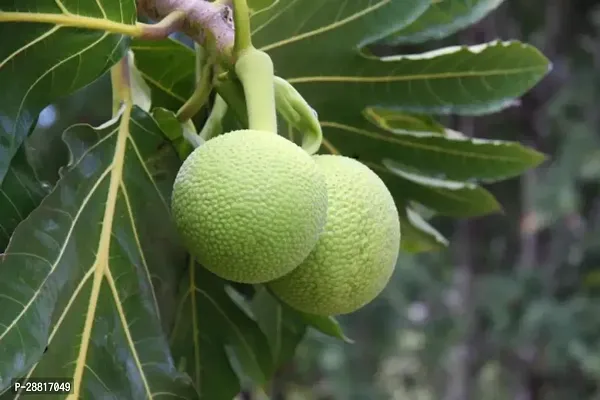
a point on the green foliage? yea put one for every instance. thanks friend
(94, 282)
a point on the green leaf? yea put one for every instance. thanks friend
(284, 327)
(329, 72)
(453, 157)
(443, 19)
(88, 273)
(52, 60)
(20, 193)
(417, 234)
(208, 317)
(471, 80)
(327, 325)
(451, 198)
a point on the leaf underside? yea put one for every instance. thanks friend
(88, 273)
(52, 61)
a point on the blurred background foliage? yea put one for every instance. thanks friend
(511, 309)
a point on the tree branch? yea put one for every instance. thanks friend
(207, 23)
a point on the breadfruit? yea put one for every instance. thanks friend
(249, 205)
(356, 254)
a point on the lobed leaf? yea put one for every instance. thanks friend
(467, 80)
(451, 157)
(52, 60)
(88, 274)
(374, 108)
(443, 19)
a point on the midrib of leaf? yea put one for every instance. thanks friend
(434, 76)
(60, 254)
(320, 30)
(101, 263)
(69, 19)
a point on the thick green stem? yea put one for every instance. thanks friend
(243, 32)
(254, 68)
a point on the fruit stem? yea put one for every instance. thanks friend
(254, 68)
(243, 32)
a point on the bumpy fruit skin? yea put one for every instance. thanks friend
(249, 205)
(356, 255)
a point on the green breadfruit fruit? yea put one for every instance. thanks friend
(356, 255)
(249, 205)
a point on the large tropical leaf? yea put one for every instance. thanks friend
(444, 18)
(89, 273)
(42, 61)
(367, 104)
(321, 50)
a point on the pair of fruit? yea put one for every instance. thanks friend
(321, 231)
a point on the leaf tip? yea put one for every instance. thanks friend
(538, 158)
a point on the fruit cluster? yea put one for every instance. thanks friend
(321, 231)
